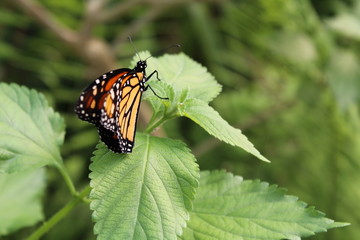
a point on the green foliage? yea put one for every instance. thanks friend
(160, 174)
(190, 87)
(21, 205)
(134, 184)
(344, 65)
(346, 22)
(150, 192)
(32, 134)
(210, 120)
(289, 75)
(183, 73)
(253, 209)
(31, 131)
(145, 194)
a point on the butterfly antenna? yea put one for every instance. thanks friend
(136, 51)
(172, 46)
(148, 57)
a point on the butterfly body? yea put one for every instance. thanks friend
(112, 104)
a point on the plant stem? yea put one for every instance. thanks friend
(67, 179)
(76, 199)
(151, 127)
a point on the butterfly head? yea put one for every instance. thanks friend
(141, 65)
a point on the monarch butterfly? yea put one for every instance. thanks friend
(112, 104)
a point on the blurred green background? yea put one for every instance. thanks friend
(290, 75)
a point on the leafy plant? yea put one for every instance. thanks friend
(156, 192)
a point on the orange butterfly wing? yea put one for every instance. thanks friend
(112, 104)
(121, 108)
(91, 100)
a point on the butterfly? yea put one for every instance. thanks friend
(112, 104)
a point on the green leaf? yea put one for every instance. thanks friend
(143, 195)
(182, 73)
(344, 66)
(20, 199)
(31, 132)
(188, 96)
(226, 207)
(204, 115)
(346, 24)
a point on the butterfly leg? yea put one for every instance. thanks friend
(148, 86)
(157, 75)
